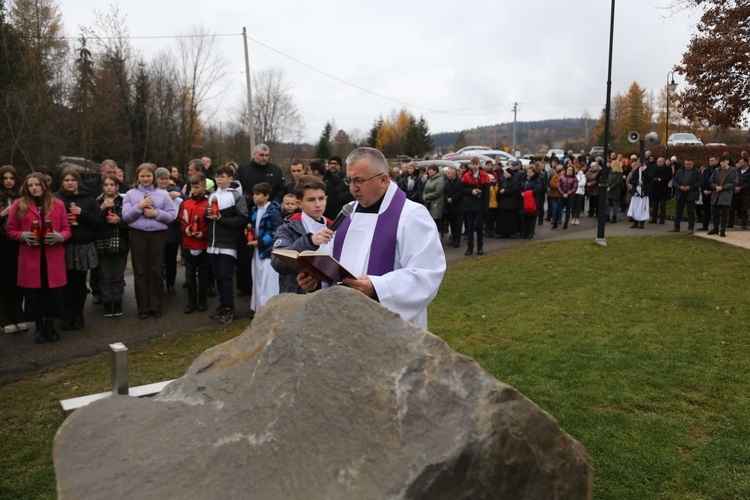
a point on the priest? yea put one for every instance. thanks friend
(389, 242)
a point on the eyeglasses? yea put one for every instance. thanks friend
(357, 182)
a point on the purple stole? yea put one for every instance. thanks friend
(382, 255)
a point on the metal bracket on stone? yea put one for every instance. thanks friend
(120, 383)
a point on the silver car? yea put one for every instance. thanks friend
(683, 139)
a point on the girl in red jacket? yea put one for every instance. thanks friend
(40, 223)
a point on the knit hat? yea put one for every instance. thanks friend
(337, 159)
(161, 172)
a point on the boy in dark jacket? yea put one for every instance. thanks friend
(224, 232)
(307, 229)
(194, 243)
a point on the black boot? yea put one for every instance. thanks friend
(480, 248)
(116, 309)
(49, 326)
(469, 250)
(40, 335)
(108, 310)
(78, 322)
(640, 225)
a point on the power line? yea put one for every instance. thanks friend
(452, 112)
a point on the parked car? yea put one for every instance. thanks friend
(505, 158)
(471, 148)
(465, 159)
(596, 151)
(715, 144)
(440, 163)
(683, 139)
(529, 157)
(560, 153)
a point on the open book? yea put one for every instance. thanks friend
(320, 266)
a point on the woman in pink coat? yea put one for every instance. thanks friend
(41, 257)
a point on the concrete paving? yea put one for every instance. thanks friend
(19, 354)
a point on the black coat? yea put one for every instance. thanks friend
(332, 182)
(511, 197)
(691, 178)
(252, 173)
(95, 186)
(414, 194)
(453, 190)
(90, 220)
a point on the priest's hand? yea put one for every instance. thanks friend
(307, 282)
(322, 236)
(363, 284)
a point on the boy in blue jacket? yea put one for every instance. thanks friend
(266, 217)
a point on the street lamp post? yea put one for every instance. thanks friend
(671, 85)
(600, 240)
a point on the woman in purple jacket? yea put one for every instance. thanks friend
(147, 211)
(567, 185)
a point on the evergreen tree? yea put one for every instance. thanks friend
(372, 139)
(425, 144)
(461, 142)
(411, 138)
(323, 148)
(139, 125)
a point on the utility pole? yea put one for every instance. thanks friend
(515, 114)
(249, 95)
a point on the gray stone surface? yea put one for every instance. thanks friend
(325, 396)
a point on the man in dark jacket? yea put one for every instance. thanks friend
(108, 167)
(723, 181)
(687, 184)
(454, 210)
(741, 198)
(706, 191)
(658, 178)
(258, 170)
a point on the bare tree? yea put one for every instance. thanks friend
(275, 114)
(201, 71)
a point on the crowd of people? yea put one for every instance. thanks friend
(224, 224)
(491, 200)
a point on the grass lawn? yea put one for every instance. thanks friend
(641, 350)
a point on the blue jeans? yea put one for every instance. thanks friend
(556, 212)
(567, 204)
(681, 202)
(475, 222)
(615, 206)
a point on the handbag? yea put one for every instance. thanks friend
(529, 202)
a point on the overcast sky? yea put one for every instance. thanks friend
(460, 63)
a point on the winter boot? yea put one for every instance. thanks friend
(49, 326)
(40, 335)
(480, 248)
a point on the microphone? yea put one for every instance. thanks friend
(346, 211)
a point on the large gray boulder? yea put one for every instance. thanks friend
(327, 395)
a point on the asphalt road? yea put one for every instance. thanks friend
(19, 354)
